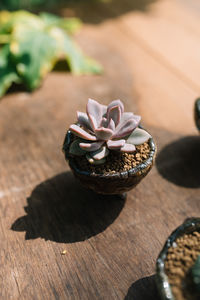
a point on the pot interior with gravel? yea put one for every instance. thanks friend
(107, 150)
(178, 265)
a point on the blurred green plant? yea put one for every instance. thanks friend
(37, 4)
(31, 45)
(24, 4)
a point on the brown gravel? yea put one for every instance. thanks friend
(178, 263)
(117, 161)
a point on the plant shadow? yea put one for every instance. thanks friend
(143, 289)
(179, 162)
(61, 210)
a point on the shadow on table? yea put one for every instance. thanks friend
(96, 11)
(179, 162)
(143, 289)
(61, 210)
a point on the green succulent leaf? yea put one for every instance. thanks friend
(195, 271)
(8, 74)
(75, 149)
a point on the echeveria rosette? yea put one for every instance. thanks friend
(103, 128)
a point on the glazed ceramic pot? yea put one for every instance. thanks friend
(197, 113)
(117, 183)
(164, 288)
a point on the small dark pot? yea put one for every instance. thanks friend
(163, 285)
(117, 183)
(197, 113)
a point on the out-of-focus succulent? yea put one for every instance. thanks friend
(195, 272)
(103, 128)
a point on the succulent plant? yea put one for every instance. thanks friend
(195, 272)
(103, 128)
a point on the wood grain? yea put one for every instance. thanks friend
(111, 244)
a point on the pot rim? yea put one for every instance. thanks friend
(188, 226)
(139, 169)
(197, 113)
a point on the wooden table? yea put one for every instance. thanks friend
(150, 51)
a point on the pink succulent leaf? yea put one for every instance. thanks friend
(124, 128)
(90, 159)
(116, 103)
(130, 115)
(95, 162)
(83, 120)
(128, 148)
(104, 122)
(93, 122)
(75, 149)
(114, 113)
(138, 137)
(114, 145)
(111, 125)
(104, 110)
(137, 119)
(99, 154)
(103, 134)
(78, 131)
(91, 146)
(126, 116)
(94, 111)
